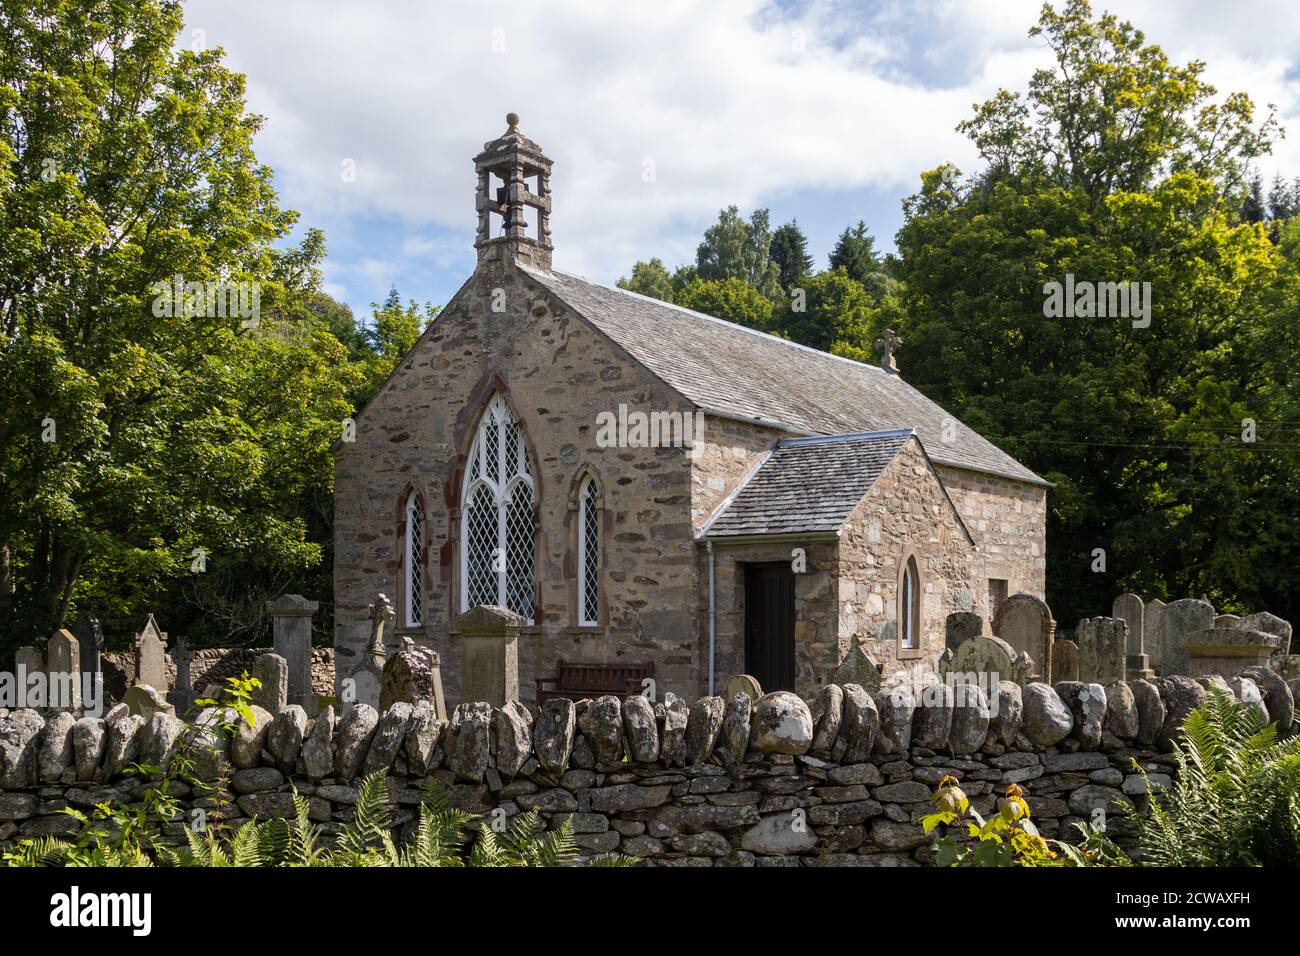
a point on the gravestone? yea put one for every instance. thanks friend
(413, 674)
(30, 659)
(151, 656)
(63, 670)
(857, 667)
(490, 640)
(1153, 633)
(1227, 650)
(291, 617)
(1181, 618)
(90, 638)
(1065, 661)
(1226, 620)
(1269, 624)
(182, 695)
(1103, 649)
(744, 684)
(959, 627)
(367, 677)
(985, 661)
(273, 671)
(1025, 622)
(1129, 609)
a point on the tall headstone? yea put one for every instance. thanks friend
(959, 627)
(90, 638)
(367, 677)
(1025, 622)
(30, 660)
(1269, 624)
(1153, 632)
(291, 616)
(1103, 649)
(182, 695)
(151, 656)
(1180, 619)
(490, 640)
(63, 671)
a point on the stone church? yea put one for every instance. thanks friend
(645, 484)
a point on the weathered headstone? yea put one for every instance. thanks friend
(151, 656)
(857, 667)
(30, 659)
(63, 671)
(367, 676)
(181, 696)
(1181, 618)
(413, 674)
(1130, 609)
(90, 639)
(1226, 620)
(1269, 624)
(490, 643)
(743, 684)
(959, 627)
(291, 616)
(1227, 650)
(1103, 649)
(1153, 632)
(273, 673)
(1025, 622)
(986, 661)
(1065, 661)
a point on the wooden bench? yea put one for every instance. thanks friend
(575, 681)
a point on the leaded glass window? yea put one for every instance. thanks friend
(497, 519)
(588, 553)
(413, 548)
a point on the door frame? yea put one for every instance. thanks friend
(750, 571)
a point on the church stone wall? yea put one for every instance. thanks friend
(1008, 520)
(557, 373)
(906, 513)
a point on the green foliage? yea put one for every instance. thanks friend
(855, 253)
(731, 299)
(650, 278)
(735, 249)
(789, 250)
(834, 313)
(1235, 800)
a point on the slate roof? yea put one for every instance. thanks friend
(807, 485)
(729, 369)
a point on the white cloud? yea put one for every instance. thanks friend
(732, 102)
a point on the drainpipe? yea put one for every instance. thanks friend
(713, 620)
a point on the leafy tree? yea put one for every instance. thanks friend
(650, 278)
(731, 299)
(1119, 167)
(735, 249)
(394, 331)
(855, 253)
(834, 314)
(141, 431)
(789, 251)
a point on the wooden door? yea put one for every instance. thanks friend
(769, 625)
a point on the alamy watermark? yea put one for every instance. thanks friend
(634, 428)
(54, 690)
(1083, 299)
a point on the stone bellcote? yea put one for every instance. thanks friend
(514, 187)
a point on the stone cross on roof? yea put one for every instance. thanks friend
(888, 341)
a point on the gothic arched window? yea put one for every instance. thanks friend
(909, 607)
(412, 548)
(497, 516)
(588, 552)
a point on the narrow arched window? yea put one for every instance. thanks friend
(497, 516)
(412, 554)
(909, 607)
(588, 552)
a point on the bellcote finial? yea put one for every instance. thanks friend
(514, 186)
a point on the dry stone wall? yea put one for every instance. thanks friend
(841, 780)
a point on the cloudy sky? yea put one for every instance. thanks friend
(825, 111)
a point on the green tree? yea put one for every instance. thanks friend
(143, 433)
(650, 278)
(394, 330)
(834, 313)
(1119, 167)
(735, 249)
(731, 299)
(855, 253)
(789, 250)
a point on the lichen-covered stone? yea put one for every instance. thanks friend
(1121, 711)
(735, 729)
(859, 725)
(250, 740)
(672, 744)
(827, 711)
(512, 737)
(1150, 710)
(781, 724)
(88, 739)
(896, 706)
(1046, 719)
(390, 733)
(602, 725)
(703, 726)
(553, 734)
(641, 728)
(970, 719)
(469, 741)
(56, 752)
(1005, 718)
(355, 732)
(285, 735)
(318, 747)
